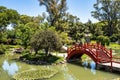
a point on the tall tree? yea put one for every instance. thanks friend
(7, 16)
(76, 28)
(90, 26)
(27, 27)
(107, 11)
(56, 10)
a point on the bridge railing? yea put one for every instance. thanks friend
(90, 47)
(75, 47)
(107, 51)
(116, 60)
(97, 48)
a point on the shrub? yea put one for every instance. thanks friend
(104, 40)
(114, 38)
(93, 37)
(2, 49)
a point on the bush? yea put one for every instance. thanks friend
(17, 41)
(114, 38)
(119, 38)
(2, 49)
(28, 56)
(104, 40)
(93, 37)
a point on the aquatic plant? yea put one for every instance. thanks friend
(35, 74)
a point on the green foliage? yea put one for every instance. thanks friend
(46, 39)
(2, 49)
(114, 38)
(54, 59)
(3, 37)
(7, 16)
(56, 11)
(119, 41)
(107, 11)
(119, 38)
(104, 40)
(75, 28)
(90, 27)
(27, 56)
(41, 57)
(35, 74)
(24, 19)
(65, 39)
(25, 32)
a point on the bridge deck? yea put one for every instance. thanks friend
(113, 64)
(107, 66)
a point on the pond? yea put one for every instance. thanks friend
(9, 66)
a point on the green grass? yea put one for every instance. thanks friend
(114, 46)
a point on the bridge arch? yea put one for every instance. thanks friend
(96, 52)
(77, 54)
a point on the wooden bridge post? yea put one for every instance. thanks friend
(97, 65)
(111, 59)
(98, 44)
(97, 55)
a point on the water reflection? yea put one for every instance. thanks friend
(85, 64)
(69, 77)
(10, 68)
(93, 65)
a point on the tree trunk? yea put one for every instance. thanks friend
(110, 32)
(76, 39)
(36, 52)
(46, 51)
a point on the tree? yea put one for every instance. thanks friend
(107, 11)
(27, 27)
(47, 40)
(56, 10)
(98, 29)
(90, 27)
(25, 32)
(75, 27)
(65, 39)
(24, 19)
(7, 16)
(104, 40)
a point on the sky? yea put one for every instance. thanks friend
(79, 8)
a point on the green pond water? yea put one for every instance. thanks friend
(9, 66)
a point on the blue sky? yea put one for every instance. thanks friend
(80, 8)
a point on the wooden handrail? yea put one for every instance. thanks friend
(90, 47)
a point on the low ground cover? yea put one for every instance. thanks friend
(35, 74)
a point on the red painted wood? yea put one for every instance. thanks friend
(97, 52)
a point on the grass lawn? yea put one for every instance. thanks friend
(116, 49)
(114, 46)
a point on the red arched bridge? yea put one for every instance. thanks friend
(98, 53)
